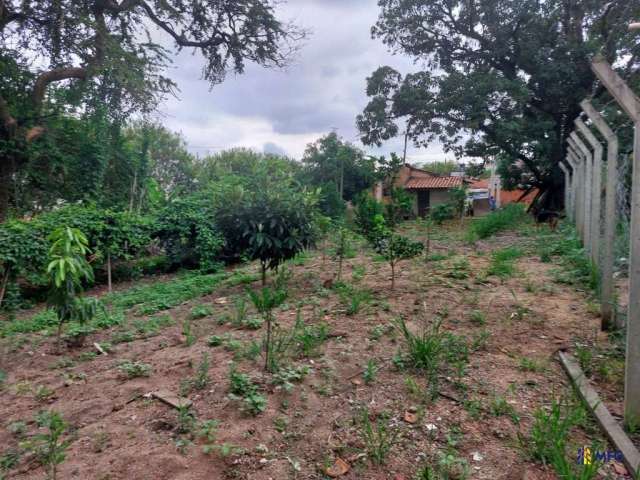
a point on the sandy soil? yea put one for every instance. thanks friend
(118, 433)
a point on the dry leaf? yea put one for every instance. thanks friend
(619, 468)
(410, 417)
(340, 467)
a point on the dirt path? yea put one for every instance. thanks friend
(514, 326)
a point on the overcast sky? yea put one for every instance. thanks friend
(283, 111)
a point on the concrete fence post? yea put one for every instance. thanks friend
(567, 189)
(588, 173)
(607, 309)
(630, 103)
(581, 163)
(596, 189)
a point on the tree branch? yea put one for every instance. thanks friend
(55, 75)
(180, 38)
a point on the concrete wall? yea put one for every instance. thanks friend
(439, 196)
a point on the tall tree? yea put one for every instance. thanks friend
(67, 55)
(340, 168)
(505, 77)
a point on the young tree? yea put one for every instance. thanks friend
(265, 301)
(68, 269)
(269, 218)
(394, 248)
(102, 55)
(505, 78)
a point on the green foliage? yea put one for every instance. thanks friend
(188, 233)
(309, 338)
(24, 245)
(502, 262)
(394, 248)
(400, 206)
(442, 212)
(577, 268)
(370, 372)
(548, 439)
(368, 214)
(200, 311)
(509, 217)
(379, 437)
(352, 297)
(286, 377)
(265, 301)
(270, 218)
(67, 269)
(201, 379)
(341, 169)
(50, 446)
(431, 350)
(242, 388)
(515, 109)
(134, 369)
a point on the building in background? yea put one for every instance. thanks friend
(428, 189)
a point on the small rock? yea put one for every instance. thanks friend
(477, 457)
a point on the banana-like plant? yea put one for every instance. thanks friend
(68, 268)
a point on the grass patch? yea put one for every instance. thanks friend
(503, 262)
(147, 300)
(507, 218)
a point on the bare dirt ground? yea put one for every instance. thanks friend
(119, 433)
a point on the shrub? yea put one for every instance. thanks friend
(367, 210)
(189, 235)
(441, 212)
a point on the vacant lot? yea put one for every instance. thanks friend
(443, 377)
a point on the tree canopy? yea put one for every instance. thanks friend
(106, 59)
(504, 77)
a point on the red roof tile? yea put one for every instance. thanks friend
(433, 183)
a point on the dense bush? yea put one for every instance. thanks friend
(188, 234)
(368, 211)
(24, 245)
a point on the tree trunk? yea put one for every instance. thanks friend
(109, 272)
(3, 285)
(267, 347)
(6, 174)
(393, 276)
(263, 267)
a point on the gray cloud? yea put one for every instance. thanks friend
(323, 89)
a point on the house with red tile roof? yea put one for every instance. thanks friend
(428, 188)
